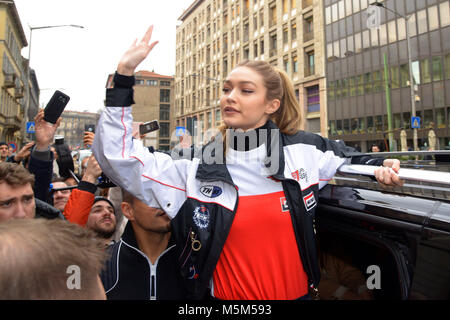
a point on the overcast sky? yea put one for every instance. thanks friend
(78, 61)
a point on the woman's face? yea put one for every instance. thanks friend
(243, 103)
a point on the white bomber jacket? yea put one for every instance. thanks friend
(305, 163)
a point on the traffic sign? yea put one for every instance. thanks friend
(31, 127)
(13, 145)
(415, 122)
(180, 131)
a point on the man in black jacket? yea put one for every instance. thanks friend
(145, 257)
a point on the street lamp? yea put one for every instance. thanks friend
(29, 57)
(411, 83)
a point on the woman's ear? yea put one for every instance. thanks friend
(272, 106)
(127, 210)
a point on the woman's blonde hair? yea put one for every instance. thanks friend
(288, 116)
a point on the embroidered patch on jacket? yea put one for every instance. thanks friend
(211, 191)
(310, 201)
(201, 217)
(284, 205)
(300, 174)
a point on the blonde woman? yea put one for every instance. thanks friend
(242, 210)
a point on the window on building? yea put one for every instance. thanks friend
(344, 90)
(395, 78)
(293, 30)
(368, 85)
(286, 64)
(406, 120)
(294, 64)
(338, 89)
(164, 83)
(331, 128)
(310, 63)
(377, 81)
(218, 117)
(285, 6)
(273, 45)
(438, 70)
(440, 118)
(208, 120)
(383, 36)
(370, 126)
(404, 75)
(261, 47)
(352, 86)
(285, 34)
(379, 124)
(346, 126)
(140, 82)
(392, 32)
(354, 126)
(339, 127)
(330, 90)
(164, 95)
(422, 21)
(447, 66)
(164, 129)
(425, 70)
(272, 16)
(433, 17)
(428, 121)
(308, 31)
(164, 112)
(444, 9)
(362, 125)
(313, 99)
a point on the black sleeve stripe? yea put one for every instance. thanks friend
(119, 97)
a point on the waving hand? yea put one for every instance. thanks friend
(136, 54)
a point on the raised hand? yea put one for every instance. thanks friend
(88, 139)
(93, 171)
(45, 131)
(136, 54)
(24, 152)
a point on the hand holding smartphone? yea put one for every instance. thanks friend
(148, 127)
(55, 106)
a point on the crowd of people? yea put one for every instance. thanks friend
(172, 228)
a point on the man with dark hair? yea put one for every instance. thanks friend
(145, 257)
(16, 192)
(102, 219)
(60, 197)
(3, 151)
(49, 260)
(17, 199)
(375, 148)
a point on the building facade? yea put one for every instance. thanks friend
(357, 108)
(154, 100)
(72, 127)
(215, 35)
(13, 77)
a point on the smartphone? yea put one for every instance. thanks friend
(148, 127)
(55, 106)
(89, 128)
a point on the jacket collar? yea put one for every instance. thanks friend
(129, 237)
(219, 171)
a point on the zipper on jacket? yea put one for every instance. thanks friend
(153, 282)
(307, 264)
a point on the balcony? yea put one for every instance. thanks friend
(9, 81)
